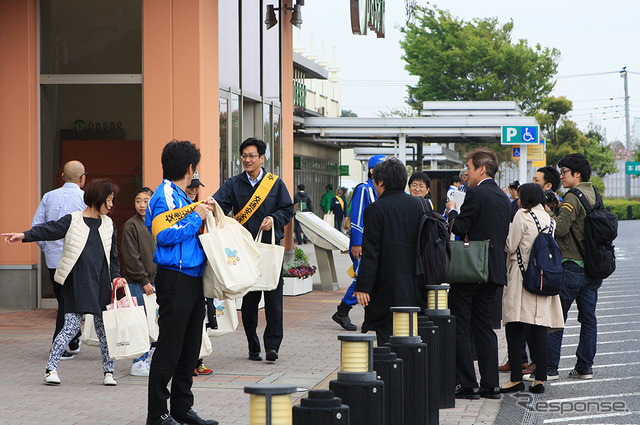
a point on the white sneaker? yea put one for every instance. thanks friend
(150, 355)
(140, 369)
(51, 378)
(108, 380)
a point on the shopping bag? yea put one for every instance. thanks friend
(126, 329)
(89, 336)
(226, 317)
(205, 347)
(469, 262)
(214, 289)
(231, 252)
(151, 308)
(328, 218)
(269, 264)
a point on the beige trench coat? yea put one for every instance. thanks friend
(518, 304)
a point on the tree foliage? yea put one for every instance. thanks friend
(458, 60)
(347, 113)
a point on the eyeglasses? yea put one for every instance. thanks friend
(249, 155)
(564, 170)
(418, 186)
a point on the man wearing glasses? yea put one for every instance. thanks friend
(260, 201)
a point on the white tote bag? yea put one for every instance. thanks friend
(151, 307)
(269, 264)
(89, 336)
(205, 347)
(231, 252)
(126, 329)
(226, 317)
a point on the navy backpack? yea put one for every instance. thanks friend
(543, 275)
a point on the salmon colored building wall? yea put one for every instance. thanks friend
(18, 126)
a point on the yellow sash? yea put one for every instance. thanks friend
(169, 218)
(341, 202)
(257, 199)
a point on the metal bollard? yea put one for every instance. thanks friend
(321, 408)
(429, 334)
(438, 312)
(629, 213)
(406, 343)
(357, 385)
(270, 404)
(389, 368)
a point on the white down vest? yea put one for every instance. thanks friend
(76, 238)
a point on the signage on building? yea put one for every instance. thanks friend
(519, 135)
(367, 14)
(296, 163)
(632, 168)
(344, 170)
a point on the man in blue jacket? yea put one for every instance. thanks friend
(363, 195)
(175, 222)
(259, 200)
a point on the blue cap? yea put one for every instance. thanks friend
(375, 160)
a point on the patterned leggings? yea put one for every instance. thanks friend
(72, 324)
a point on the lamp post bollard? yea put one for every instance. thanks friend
(406, 343)
(321, 408)
(390, 369)
(438, 312)
(429, 334)
(270, 404)
(357, 385)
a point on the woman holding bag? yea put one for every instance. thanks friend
(520, 306)
(88, 269)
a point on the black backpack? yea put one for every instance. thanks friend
(600, 230)
(543, 275)
(433, 251)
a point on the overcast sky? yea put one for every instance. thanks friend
(593, 36)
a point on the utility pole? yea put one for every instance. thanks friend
(627, 177)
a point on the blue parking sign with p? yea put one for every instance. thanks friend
(519, 135)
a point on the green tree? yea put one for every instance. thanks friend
(347, 113)
(555, 108)
(458, 60)
(601, 157)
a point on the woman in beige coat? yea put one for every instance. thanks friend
(519, 306)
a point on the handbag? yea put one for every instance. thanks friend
(205, 347)
(328, 218)
(469, 261)
(89, 336)
(231, 252)
(151, 308)
(126, 329)
(226, 317)
(269, 264)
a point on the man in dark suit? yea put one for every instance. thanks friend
(385, 277)
(484, 215)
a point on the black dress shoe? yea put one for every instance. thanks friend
(192, 418)
(536, 389)
(272, 355)
(493, 393)
(468, 393)
(255, 356)
(165, 419)
(514, 389)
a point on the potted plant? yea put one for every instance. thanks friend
(296, 274)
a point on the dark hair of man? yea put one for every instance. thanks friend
(551, 175)
(454, 179)
(301, 187)
(487, 158)
(577, 163)
(252, 141)
(97, 192)
(176, 158)
(420, 176)
(143, 190)
(392, 173)
(530, 194)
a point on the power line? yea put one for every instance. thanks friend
(588, 75)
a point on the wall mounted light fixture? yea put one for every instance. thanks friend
(296, 17)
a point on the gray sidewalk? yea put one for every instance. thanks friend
(309, 358)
